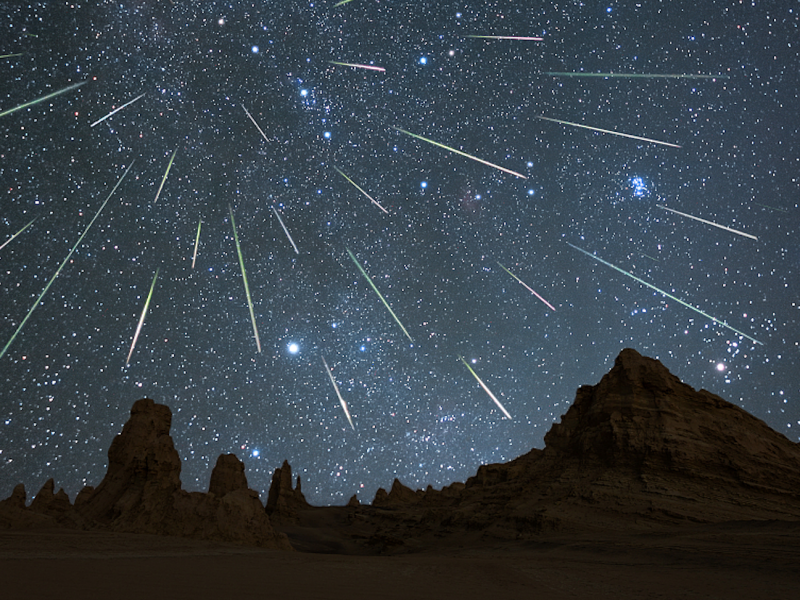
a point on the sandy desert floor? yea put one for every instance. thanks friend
(733, 561)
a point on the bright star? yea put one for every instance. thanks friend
(293, 348)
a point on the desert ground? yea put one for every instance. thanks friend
(729, 561)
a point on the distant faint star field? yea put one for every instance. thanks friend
(460, 209)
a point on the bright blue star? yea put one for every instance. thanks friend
(254, 49)
(423, 60)
(423, 184)
(293, 348)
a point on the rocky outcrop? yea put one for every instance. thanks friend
(141, 493)
(283, 501)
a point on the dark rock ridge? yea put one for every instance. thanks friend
(141, 493)
(640, 451)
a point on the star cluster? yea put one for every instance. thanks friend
(435, 255)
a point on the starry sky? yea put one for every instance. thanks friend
(436, 252)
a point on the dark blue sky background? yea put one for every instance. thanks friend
(65, 388)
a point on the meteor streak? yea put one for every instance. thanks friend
(8, 241)
(677, 212)
(663, 293)
(286, 231)
(627, 135)
(459, 152)
(69, 88)
(355, 185)
(385, 303)
(357, 66)
(527, 287)
(244, 277)
(636, 75)
(164, 179)
(10, 55)
(116, 110)
(141, 319)
(486, 389)
(506, 37)
(338, 394)
(66, 260)
(264, 135)
(342, 2)
(196, 242)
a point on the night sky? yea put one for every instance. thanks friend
(418, 413)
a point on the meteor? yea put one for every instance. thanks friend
(8, 241)
(636, 75)
(116, 110)
(342, 2)
(677, 212)
(506, 37)
(141, 319)
(527, 287)
(66, 260)
(338, 394)
(264, 135)
(244, 277)
(286, 231)
(460, 153)
(196, 242)
(69, 88)
(355, 185)
(164, 179)
(663, 293)
(486, 389)
(627, 135)
(357, 66)
(11, 55)
(385, 303)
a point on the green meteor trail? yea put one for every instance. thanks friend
(357, 66)
(164, 179)
(527, 287)
(10, 55)
(688, 216)
(486, 389)
(8, 241)
(141, 319)
(116, 110)
(339, 394)
(460, 153)
(69, 88)
(196, 242)
(627, 135)
(636, 75)
(66, 260)
(385, 303)
(342, 2)
(244, 277)
(663, 293)
(355, 185)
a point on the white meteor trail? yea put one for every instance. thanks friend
(460, 153)
(357, 66)
(627, 135)
(116, 110)
(664, 293)
(527, 287)
(355, 185)
(8, 241)
(264, 135)
(286, 231)
(166, 173)
(141, 319)
(339, 394)
(736, 231)
(507, 37)
(486, 389)
(196, 242)
(66, 260)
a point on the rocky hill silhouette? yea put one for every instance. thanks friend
(640, 451)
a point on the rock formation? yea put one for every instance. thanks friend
(283, 501)
(640, 451)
